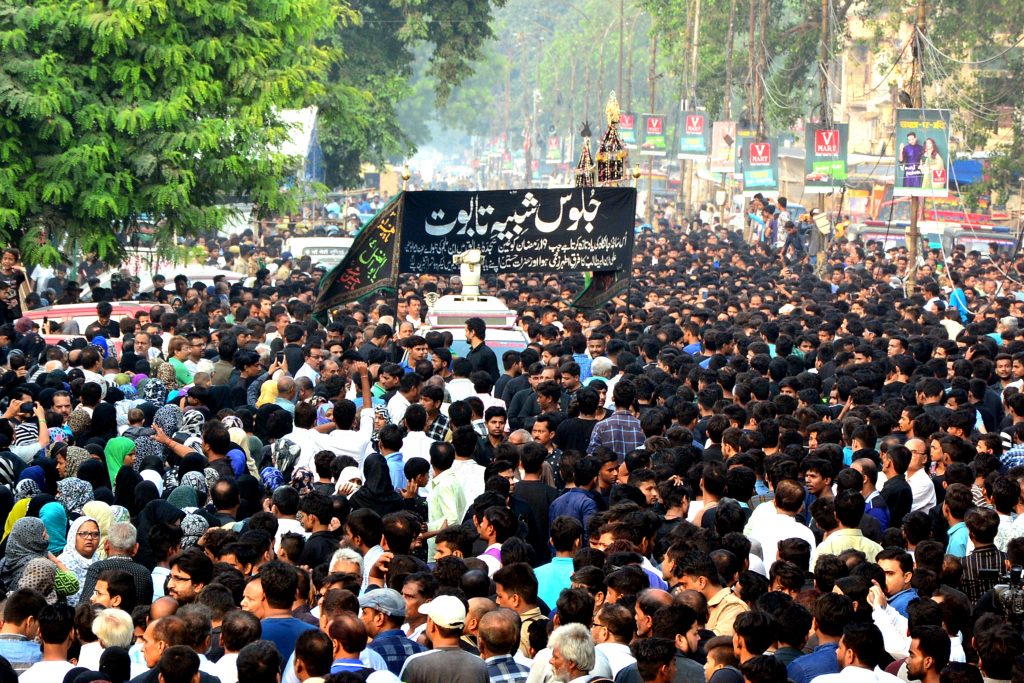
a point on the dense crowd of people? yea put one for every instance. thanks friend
(749, 469)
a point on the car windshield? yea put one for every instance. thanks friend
(460, 348)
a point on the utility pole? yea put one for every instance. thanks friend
(622, 41)
(694, 72)
(752, 40)
(917, 97)
(826, 122)
(761, 69)
(729, 38)
(652, 77)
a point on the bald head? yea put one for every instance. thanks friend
(478, 607)
(499, 633)
(869, 469)
(162, 607)
(653, 599)
(696, 601)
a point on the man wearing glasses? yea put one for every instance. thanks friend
(191, 571)
(922, 488)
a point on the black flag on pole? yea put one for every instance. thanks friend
(370, 266)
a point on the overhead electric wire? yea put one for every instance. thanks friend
(972, 63)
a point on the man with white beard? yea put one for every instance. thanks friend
(572, 653)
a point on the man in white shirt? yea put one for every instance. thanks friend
(416, 443)
(311, 367)
(284, 503)
(460, 387)
(350, 438)
(921, 486)
(859, 653)
(789, 499)
(407, 394)
(468, 471)
(612, 630)
(238, 629)
(57, 631)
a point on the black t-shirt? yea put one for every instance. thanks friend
(12, 303)
(574, 433)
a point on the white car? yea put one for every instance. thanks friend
(204, 274)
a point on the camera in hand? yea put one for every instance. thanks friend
(27, 408)
(1008, 594)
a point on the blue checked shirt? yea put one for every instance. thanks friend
(504, 669)
(621, 432)
(395, 647)
(1012, 458)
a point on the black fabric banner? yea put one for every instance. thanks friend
(603, 286)
(371, 264)
(525, 231)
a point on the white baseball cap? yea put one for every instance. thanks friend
(447, 611)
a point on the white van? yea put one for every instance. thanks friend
(325, 251)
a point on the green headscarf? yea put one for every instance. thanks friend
(116, 450)
(183, 497)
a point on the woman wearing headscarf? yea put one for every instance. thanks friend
(381, 418)
(74, 459)
(79, 423)
(125, 487)
(18, 510)
(197, 482)
(40, 575)
(377, 491)
(249, 496)
(95, 472)
(36, 503)
(55, 517)
(80, 550)
(103, 515)
(26, 488)
(145, 493)
(73, 494)
(155, 478)
(241, 439)
(193, 526)
(119, 452)
(36, 474)
(184, 498)
(192, 422)
(168, 418)
(271, 478)
(28, 540)
(268, 394)
(146, 449)
(155, 512)
(6, 502)
(104, 424)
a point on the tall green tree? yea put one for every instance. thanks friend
(360, 110)
(115, 111)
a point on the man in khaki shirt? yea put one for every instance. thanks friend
(849, 509)
(699, 573)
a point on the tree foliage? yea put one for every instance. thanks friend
(117, 111)
(368, 87)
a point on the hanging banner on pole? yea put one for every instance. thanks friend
(554, 150)
(760, 161)
(825, 149)
(654, 143)
(723, 147)
(922, 153)
(694, 136)
(627, 129)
